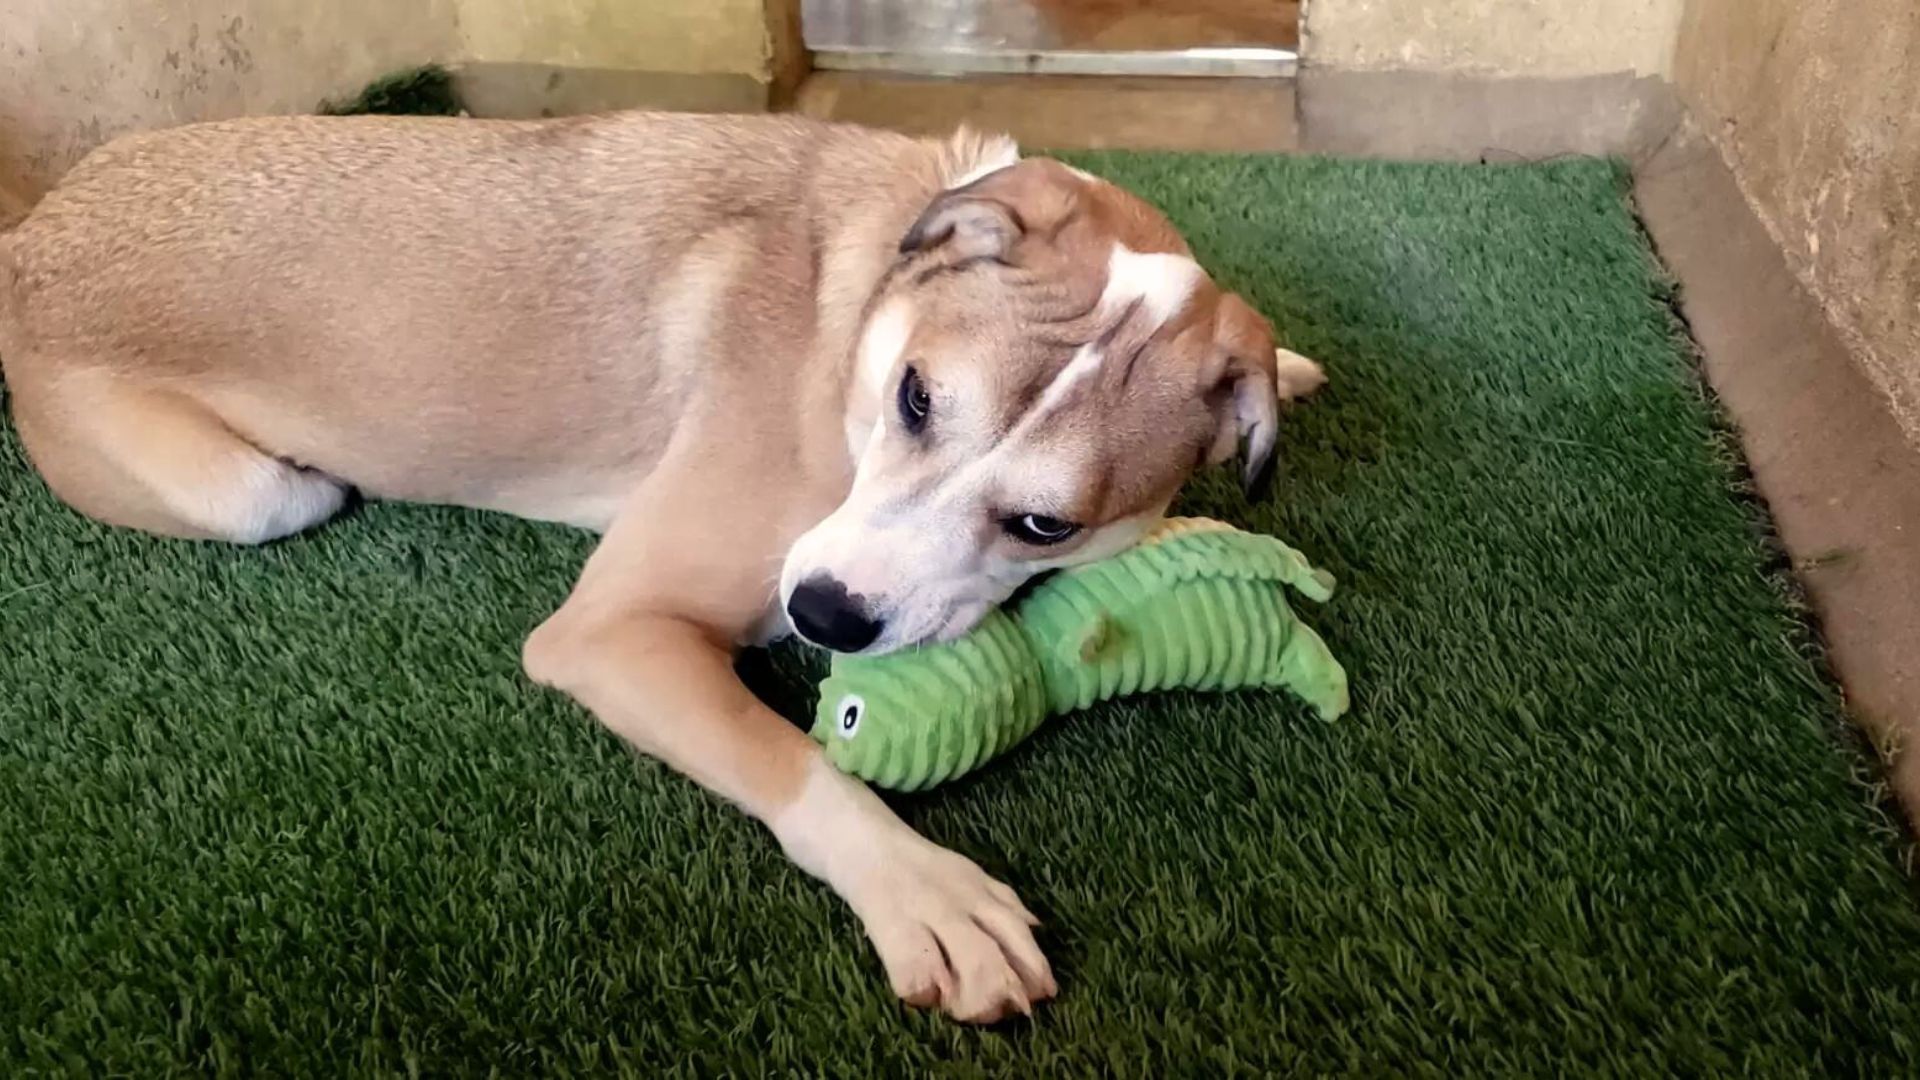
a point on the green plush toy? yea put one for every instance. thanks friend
(1197, 605)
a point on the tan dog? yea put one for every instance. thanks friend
(866, 382)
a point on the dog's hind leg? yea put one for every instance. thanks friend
(149, 457)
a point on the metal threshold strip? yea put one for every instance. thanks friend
(1234, 62)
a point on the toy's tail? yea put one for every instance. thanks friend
(1308, 668)
(1202, 547)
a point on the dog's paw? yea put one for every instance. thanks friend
(1295, 376)
(951, 936)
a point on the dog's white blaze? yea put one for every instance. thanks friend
(881, 344)
(1163, 282)
(884, 341)
(1084, 365)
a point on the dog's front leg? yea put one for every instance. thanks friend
(948, 934)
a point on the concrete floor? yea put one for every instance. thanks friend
(1069, 112)
(1840, 478)
(1833, 464)
(1405, 115)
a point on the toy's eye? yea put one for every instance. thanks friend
(849, 712)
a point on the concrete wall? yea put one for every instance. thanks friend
(74, 73)
(1486, 79)
(1552, 38)
(692, 36)
(551, 57)
(1816, 105)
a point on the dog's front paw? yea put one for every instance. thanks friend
(948, 934)
(951, 936)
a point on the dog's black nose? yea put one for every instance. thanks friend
(826, 614)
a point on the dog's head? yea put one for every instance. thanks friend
(1038, 374)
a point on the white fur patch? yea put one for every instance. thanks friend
(1163, 282)
(998, 154)
(881, 344)
(1084, 365)
(261, 500)
(1295, 375)
(885, 339)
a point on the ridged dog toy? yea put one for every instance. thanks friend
(1197, 605)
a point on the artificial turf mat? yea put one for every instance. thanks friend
(295, 811)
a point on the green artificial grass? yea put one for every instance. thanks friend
(423, 91)
(295, 811)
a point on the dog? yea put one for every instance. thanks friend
(801, 377)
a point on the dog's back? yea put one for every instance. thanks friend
(182, 231)
(411, 303)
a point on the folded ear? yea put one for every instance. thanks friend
(987, 219)
(1246, 391)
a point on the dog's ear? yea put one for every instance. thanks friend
(988, 218)
(1245, 391)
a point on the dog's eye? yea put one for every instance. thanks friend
(915, 402)
(1038, 529)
